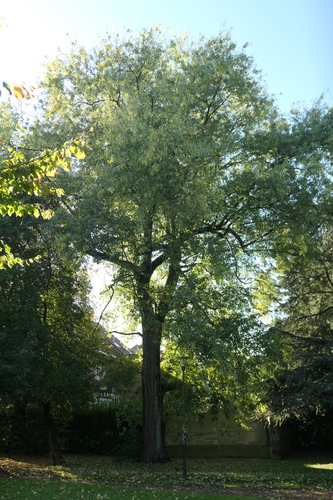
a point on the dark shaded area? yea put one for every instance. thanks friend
(95, 430)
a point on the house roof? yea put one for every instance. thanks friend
(116, 346)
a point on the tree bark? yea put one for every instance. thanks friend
(20, 420)
(154, 449)
(152, 317)
(48, 425)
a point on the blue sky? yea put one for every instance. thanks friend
(291, 40)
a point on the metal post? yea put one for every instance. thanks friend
(183, 363)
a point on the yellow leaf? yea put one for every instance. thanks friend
(28, 90)
(80, 155)
(18, 92)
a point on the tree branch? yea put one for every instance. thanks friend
(125, 333)
(318, 340)
(87, 103)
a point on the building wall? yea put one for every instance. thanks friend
(212, 436)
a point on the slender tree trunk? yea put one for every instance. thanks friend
(48, 425)
(154, 449)
(20, 420)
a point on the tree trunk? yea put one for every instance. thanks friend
(274, 441)
(153, 313)
(47, 423)
(154, 449)
(20, 420)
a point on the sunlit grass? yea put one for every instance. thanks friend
(320, 466)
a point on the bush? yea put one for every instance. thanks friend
(20, 430)
(313, 432)
(97, 429)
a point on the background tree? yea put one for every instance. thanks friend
(302, 389)
(48, 348)
(190, 168)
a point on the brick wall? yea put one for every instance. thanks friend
(212, 435)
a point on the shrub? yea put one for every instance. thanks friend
(98, 429)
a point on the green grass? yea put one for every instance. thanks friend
(16, 489)
(98, 477)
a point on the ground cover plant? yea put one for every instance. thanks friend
(101, 477)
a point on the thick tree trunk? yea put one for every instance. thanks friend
(47, 423)
(154, 449)
(153, 314)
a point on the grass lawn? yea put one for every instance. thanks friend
(100, 477)
(26, 489)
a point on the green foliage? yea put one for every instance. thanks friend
(22, 175)
(162, 158)
(123, 376)
(20, 430)
(96, 429)
(123, 379)
(302, 388)
(230, 351)
(229, 384)
(26, 176)
(189, 160)
(48, 346)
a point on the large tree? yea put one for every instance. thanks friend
(190, 167)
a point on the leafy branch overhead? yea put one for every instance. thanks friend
(26, 180)
(22, 176)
